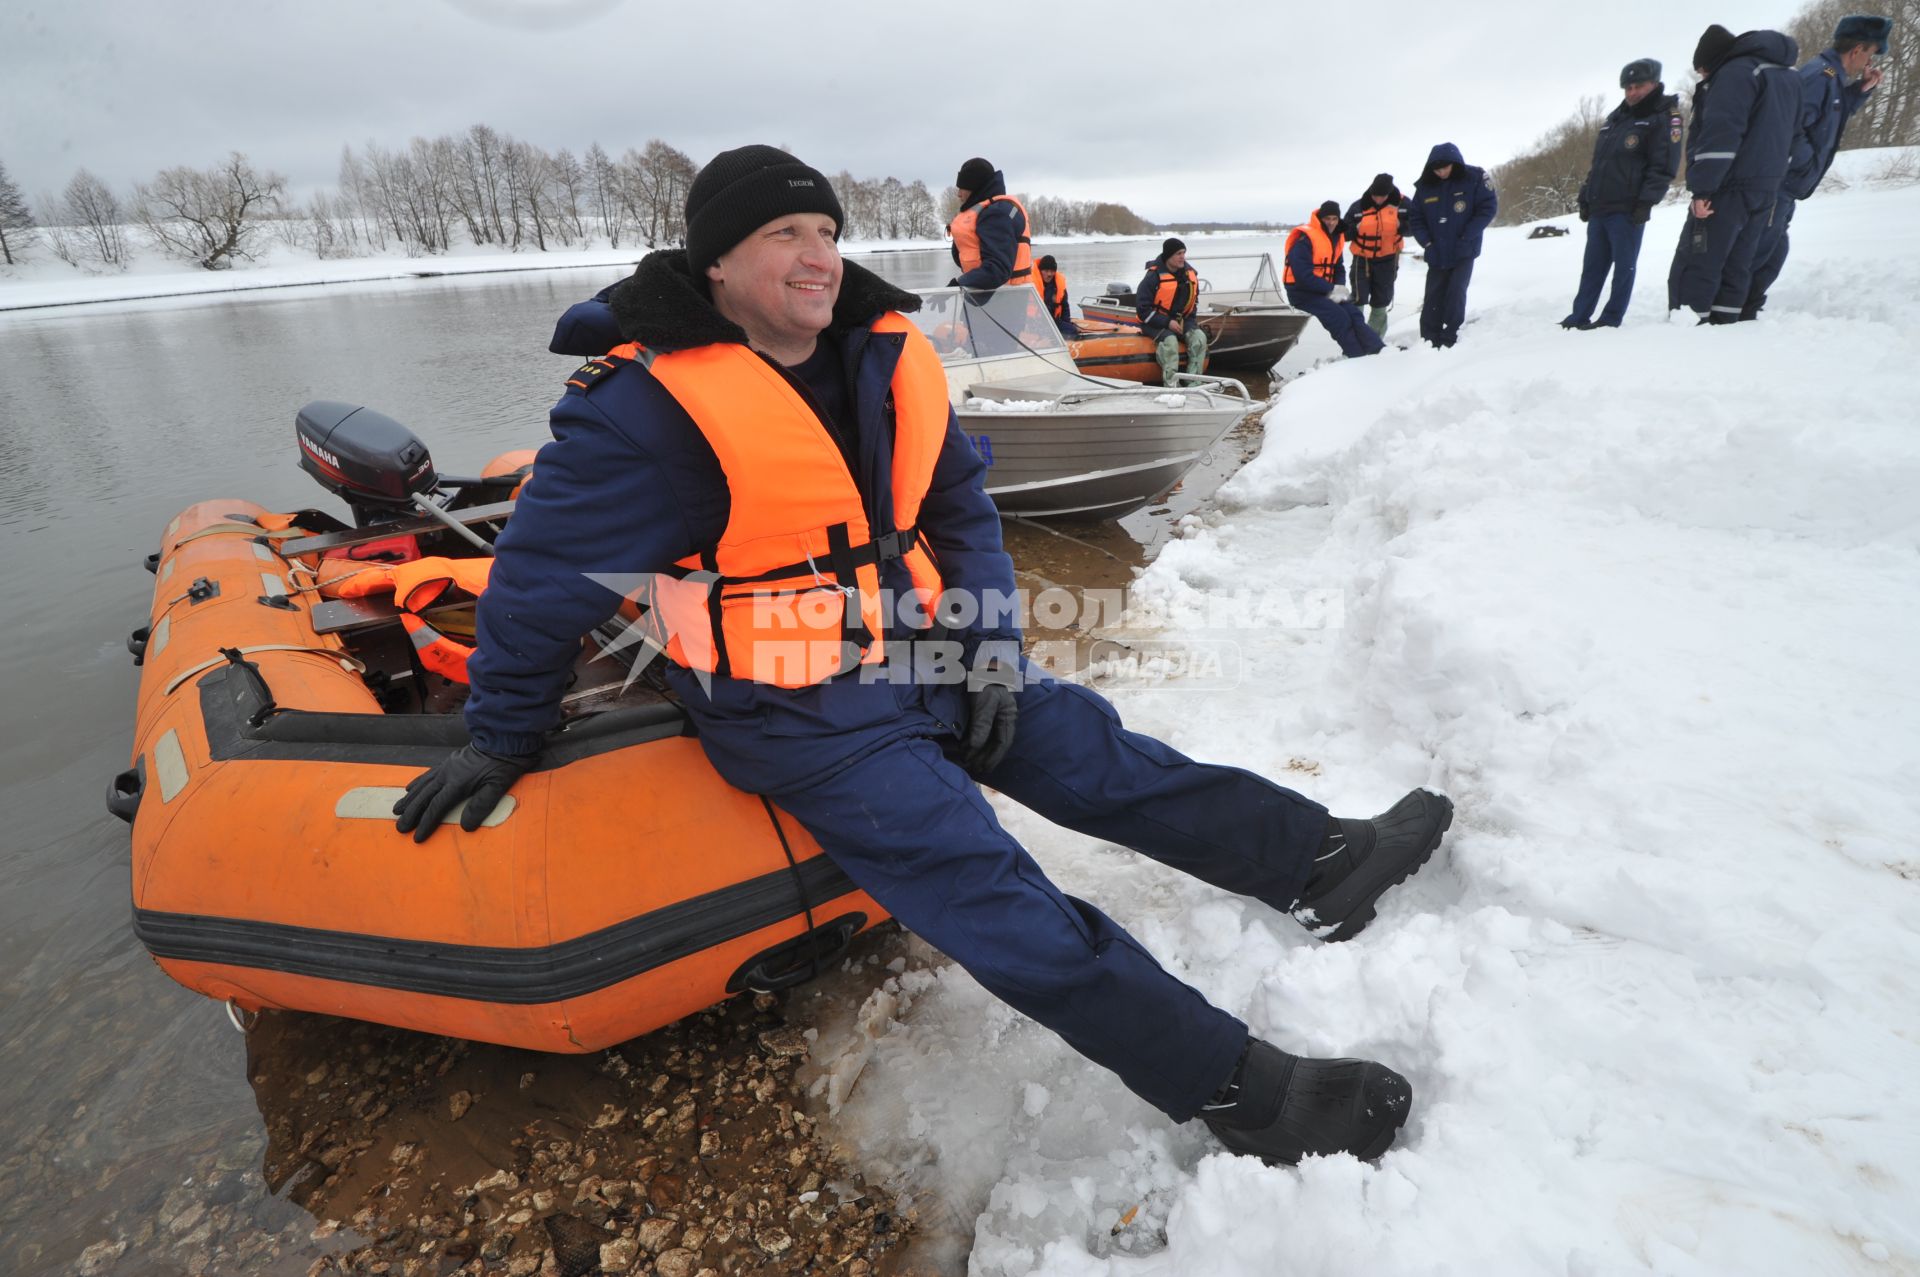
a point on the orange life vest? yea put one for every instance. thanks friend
(415, 586)
(1326, 249)
(1056, 298)
(790, 596)
(966, 242)
(1168, 293)
(1377, 232)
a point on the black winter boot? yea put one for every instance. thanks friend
(1280, 1108)
(1360, 859)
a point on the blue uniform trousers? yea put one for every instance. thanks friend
(1770, 257)
(1344, 320)
(1444, 308)
(908, 825)
(1714, 263)
(1613, 243)
(1372, 279)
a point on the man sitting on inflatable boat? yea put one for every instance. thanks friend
(776, 442)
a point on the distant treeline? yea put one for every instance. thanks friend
(481, 187)
(1545, 180)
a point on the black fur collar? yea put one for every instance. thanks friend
(660, 307)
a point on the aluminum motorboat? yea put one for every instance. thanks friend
(1248, 329)
(1060, 442)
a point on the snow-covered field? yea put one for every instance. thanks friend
(1646, 603)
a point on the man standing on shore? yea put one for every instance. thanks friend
(1832, 87)
(1742, 136)
(1373, 225)
(1453, 204)
(1634, 160)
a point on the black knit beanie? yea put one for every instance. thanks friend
(1171, 247)
(1047, 263)
(1712, 50)
(1382, 184)
(1328, 208)
(744, 189)
(974, 174)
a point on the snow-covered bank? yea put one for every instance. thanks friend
(44, 281)
(1646, 603)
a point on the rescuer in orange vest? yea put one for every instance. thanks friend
(1166, 301)
(1315, 269)
(992, 234)
(1373, 231)
(1053, 295)
(772, 459)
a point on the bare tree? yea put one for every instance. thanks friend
(481, 151)
(1545, 180)
(603, 193)
(211, 216)
(16, 219)
(93, 213)
(567, 186)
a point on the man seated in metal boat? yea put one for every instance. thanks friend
(1168, 296)
(1315, 272)
(1053, 296)
(773, 453)
(992, 234)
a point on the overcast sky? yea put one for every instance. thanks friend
(1184, 111)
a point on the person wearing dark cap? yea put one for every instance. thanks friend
(1053, 295)
(1373, 229)
(1634, 159)
(1167, 302)
(1453, 204)
(1315, 258)
(776, 436)
(1832, 87)
(1736, 162)
(992, 234)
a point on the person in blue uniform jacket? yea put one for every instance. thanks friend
(1452, 205)
(1311, 284)
(1634, 160)
(886, 773)
(1832, 87)
(1736, 161)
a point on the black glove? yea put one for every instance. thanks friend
(992, 712)
(470, 773)
(1583, 212)
(1641, 212)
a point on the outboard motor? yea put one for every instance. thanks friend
(366, 458)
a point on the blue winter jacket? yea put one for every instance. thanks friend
(1000, 227)
(1154, 321)
(630, 485)
(1634, 157)
(1448, 217)
(1742, 136)
(1827, 102)
(1300, 259)
(588, 328)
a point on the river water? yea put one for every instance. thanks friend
(126, 1096)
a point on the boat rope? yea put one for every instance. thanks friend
(241, 529)
(351, 664)
(799, 883)
(1021, 342)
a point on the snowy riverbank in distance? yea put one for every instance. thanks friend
(1645, 603)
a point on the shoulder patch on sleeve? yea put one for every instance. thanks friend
(1827, 71)
(589, 374)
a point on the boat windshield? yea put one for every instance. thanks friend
(968, 323)
(1247, 277)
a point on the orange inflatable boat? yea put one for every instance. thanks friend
(620, 886)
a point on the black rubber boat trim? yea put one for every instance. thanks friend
(520, 977)
(229, 704)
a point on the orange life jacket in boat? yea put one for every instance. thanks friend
(415, 586)
(790, 596)
(1377, 231)
(966, 242)
(1326, 249)
(1169, 296)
